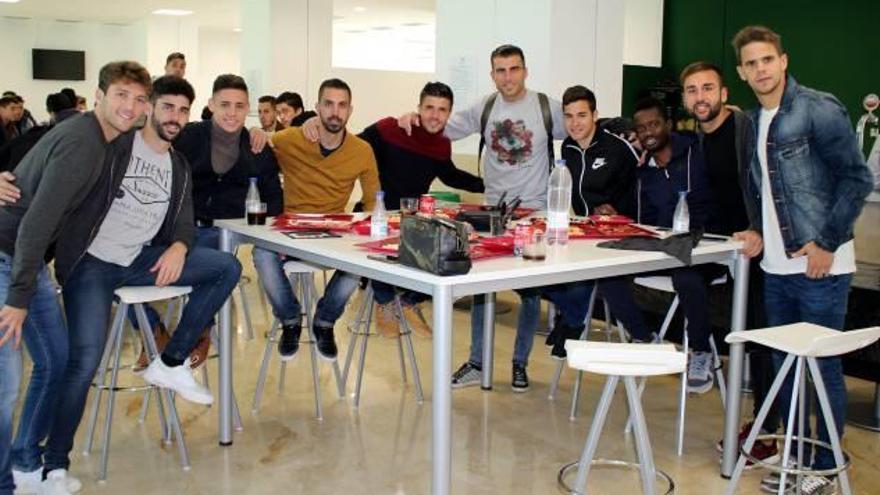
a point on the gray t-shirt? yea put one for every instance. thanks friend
(139, 207)
(515, 157)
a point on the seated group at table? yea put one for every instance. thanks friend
(119, 206)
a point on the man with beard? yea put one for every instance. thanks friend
(722, 134)
(319, 178)
(673, 164)
(144, 238)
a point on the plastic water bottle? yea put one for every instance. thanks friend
(558, 204)
(252, 200)
(379, 218)
(681, 220)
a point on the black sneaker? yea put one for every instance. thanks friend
(520, 382)
(565, 333)
(325, 343)
(554, 335)
(288, 344)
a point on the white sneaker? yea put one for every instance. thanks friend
(28, 483)
(58, 482)
(179, 379)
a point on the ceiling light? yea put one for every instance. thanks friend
(9, 1)
(174, 12)
(236, 30)
(360, 9)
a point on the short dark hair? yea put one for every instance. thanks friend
(13, 96)
(70, 93)
(293, 100)
(229, 81)
(579, 93)
(505, 51)
(174, 56)
(334, 83)
(437, 89)
(267, 99)
(57, 102)
(651, 103)
(172, 85)
(5, 101)
(751, 34)
(700, 66)
(124, 70)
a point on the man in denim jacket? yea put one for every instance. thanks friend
(804, 185)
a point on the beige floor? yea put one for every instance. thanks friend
(503, 442)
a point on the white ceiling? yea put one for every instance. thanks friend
(214, 13)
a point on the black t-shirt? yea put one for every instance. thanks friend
(719, 149)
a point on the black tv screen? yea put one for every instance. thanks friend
(59, 65)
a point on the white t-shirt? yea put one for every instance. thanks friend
(515, 158)
(139, 207)
(775, 260)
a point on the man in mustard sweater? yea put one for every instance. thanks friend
(318, 178)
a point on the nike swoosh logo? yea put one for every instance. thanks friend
(598, 163)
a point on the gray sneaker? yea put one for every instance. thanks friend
(468, 375)
(810, 485)
(699, 379)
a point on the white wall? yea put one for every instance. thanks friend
(219, 53)
(643, 33)
(102, 43)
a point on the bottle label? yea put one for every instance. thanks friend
(557, 220)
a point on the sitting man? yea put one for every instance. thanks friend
(673, 164)
(290, 110)
(408, 164)
(319, 178)
(268, 116)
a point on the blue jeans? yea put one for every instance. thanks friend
(796, 298)
(285, 306)
(384, 293)
(88, 297)
(10, 378)
(45, 337)
(573, 299)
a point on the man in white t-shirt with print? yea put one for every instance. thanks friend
(804, 187)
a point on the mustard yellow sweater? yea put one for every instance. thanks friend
(317, 184)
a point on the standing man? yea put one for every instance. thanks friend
(175, 65)
(805, 184)
(267, 114)
(723, 133)
(517, 126)
(55, 179)
(319, 178)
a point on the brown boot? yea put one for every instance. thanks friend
(161, 337)
(199, 354)
(416, 321)
(386, 321)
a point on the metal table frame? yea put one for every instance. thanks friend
(580, 260)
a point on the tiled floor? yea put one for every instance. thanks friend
(503, 442)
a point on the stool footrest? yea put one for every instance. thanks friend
(777, 467)
(612, 463)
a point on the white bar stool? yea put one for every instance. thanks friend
(360, 328)
(803, 342)
(616, 361)
(302, 282)
(137, 297)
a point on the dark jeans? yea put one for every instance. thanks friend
(796, 298)
(88, 297)
(692, 286)
(384, 293)
(45, 337)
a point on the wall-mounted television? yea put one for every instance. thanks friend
(59, 65)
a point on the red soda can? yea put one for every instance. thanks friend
(521, 234)
(426, 204)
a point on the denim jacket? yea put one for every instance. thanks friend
(818, 176)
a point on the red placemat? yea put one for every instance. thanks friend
(336, 222)
(611, 219)
(590, 230)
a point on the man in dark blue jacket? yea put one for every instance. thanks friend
(672, 163)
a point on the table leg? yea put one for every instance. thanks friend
(225, 344)
(735, 366)
(488, 342)
(442, 404)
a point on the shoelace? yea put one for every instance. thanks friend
(464, 370)
(700, 365)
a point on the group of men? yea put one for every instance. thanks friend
(119, 206)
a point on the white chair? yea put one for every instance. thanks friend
(620, 361)
(361, 329)
(803, 342)
(110, 361)
(302, 282)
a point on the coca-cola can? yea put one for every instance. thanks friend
(426, 204)
(521, 234)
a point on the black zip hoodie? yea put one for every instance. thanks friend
(602, 173)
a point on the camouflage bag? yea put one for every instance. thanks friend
(435, 245)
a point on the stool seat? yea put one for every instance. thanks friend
(293, 266)
(664, 283)
(150, 293)
(613, 358)
(807, 339)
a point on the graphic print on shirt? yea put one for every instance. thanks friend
(512, 141)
